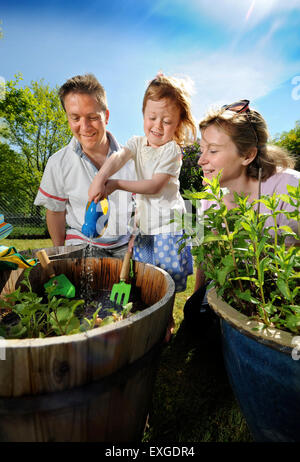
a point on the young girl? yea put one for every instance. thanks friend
(157, 157)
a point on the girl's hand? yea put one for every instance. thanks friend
(96, 190)
(131, 244)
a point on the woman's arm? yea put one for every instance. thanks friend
(199, 279)
(113, 164)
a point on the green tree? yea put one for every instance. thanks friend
(190, 173)
(15, 183)
(11, 168)
(291, 141)
(34, 127)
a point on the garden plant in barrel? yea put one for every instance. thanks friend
(254, 273)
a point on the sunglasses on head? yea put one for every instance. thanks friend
(239, 107)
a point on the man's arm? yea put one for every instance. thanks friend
(56, 223)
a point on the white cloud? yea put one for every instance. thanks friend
(267, 37)
(223, 78)
(238, 14)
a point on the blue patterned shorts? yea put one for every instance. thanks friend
(162, 250)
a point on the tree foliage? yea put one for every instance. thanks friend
(34, 126)
(11, 168)
(291, 141)
(15, 184)
(190, 173)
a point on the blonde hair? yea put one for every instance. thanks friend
(175, 90)
(248, 130)
(86, 84)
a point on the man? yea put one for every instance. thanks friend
(70, 171)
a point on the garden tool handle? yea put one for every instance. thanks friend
(125, 266)
(45, 262)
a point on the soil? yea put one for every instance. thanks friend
(103, 297)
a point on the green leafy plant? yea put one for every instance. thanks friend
(117, 316)
(57, 316)
(246, 254)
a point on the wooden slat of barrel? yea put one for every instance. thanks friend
(63, 251)
(113, 409)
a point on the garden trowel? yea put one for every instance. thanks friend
(63, 286)
(122, 289)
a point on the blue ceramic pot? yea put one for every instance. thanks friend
(263, 374)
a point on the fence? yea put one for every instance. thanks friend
(28, 220)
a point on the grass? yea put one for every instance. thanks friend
(26, 244)
(192, 399)
(27, 232)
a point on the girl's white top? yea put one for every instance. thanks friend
(155, 211)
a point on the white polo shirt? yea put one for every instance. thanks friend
(64, 187)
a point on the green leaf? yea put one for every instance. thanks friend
(17, 331)
(73, 326)
(284, 288)
(247, 296)
(222, 274)
(127, 309)
(107, 320)
(214, 237)
(63, 314)
(287, 229)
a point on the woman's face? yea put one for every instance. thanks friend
(218, 152)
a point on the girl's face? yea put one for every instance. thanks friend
(161, 119)
(218, 152)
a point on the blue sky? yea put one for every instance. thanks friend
(227, 49)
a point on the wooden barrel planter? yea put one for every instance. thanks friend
(264, 370)
(92, 386)
(64, 251)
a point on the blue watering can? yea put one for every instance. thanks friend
(96, 218)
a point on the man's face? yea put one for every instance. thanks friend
(87, 120)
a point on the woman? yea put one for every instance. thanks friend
(234, 140)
